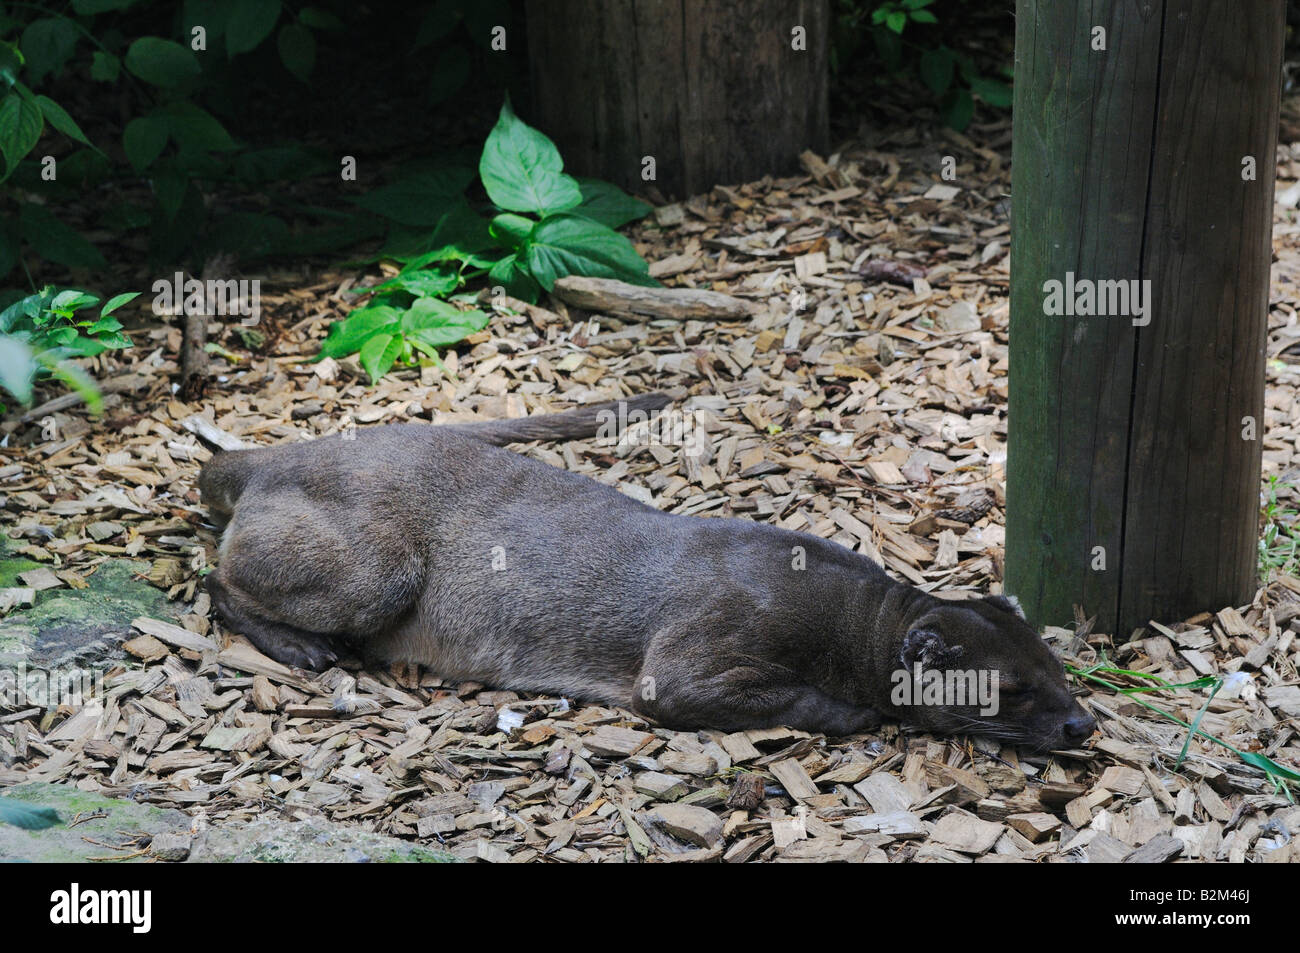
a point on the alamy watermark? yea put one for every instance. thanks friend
(179, 295)
(23, 687)
(637, 428)
(946, 688)
(1086, 297)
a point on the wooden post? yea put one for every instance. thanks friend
(714, 91)
(1143, 150)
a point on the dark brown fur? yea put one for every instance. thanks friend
(434, 545)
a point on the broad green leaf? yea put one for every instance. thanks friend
(27, 816)
(923, 16)
(432, 281)
(194, 128)
(606, 203)
(936, 70)
(17, 369)
(170, 185)
(957, 108)
(104, 67)
(297, 49)
(72, 300)
(117, 301)
(161, 62)
(510, 229)
(51, 239)
(992, 91)
(60, 120)
(896, 20)
(347, 336)
(144, 140)
(418, 199)
(378, 353)
(461, 233)
(249, 23)
(521, 169)
(47, 45)
(572, 245)
(20, 129)
(509, 274)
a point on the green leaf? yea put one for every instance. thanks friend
(143, 141)
(47, 44)
(51, 239)
(249, 23)
(60, 120)
(992, 91)
(957, 108)
(117, 301)
(20, 129)
(896, 20)
(936, 70)
(521, 169)
(462, 232)
(510, 229)
(347, 336)
(72, 300)
(27, 816)
(17, 368)
(161, 62)
(194, 129)
(378, 353)
(297, 49)
(509, 274)
(572, 245)
(418, 199)
(433, 281)
(923, 16)
(606, 203)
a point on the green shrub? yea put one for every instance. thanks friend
(42, 334)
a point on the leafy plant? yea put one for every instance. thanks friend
(1279, 543)
(950, 75)
(27, 816)
(1282, 777)
(544, 225)
(42, 334)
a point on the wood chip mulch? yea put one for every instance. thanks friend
(863, 399)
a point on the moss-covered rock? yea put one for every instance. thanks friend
(68, 627)
(113, 821)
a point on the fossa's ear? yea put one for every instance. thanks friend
(1007, 604)
(928, 648)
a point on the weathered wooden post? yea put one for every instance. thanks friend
(1143, 152)
(712, 91)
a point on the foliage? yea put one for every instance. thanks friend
(27, 816)
(181, 75)
(544, 225)
(951, 76)
(1283, 778)
(42, 334)
(1279, 543)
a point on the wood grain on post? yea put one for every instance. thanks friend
(1133, 486)
(714, 90)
